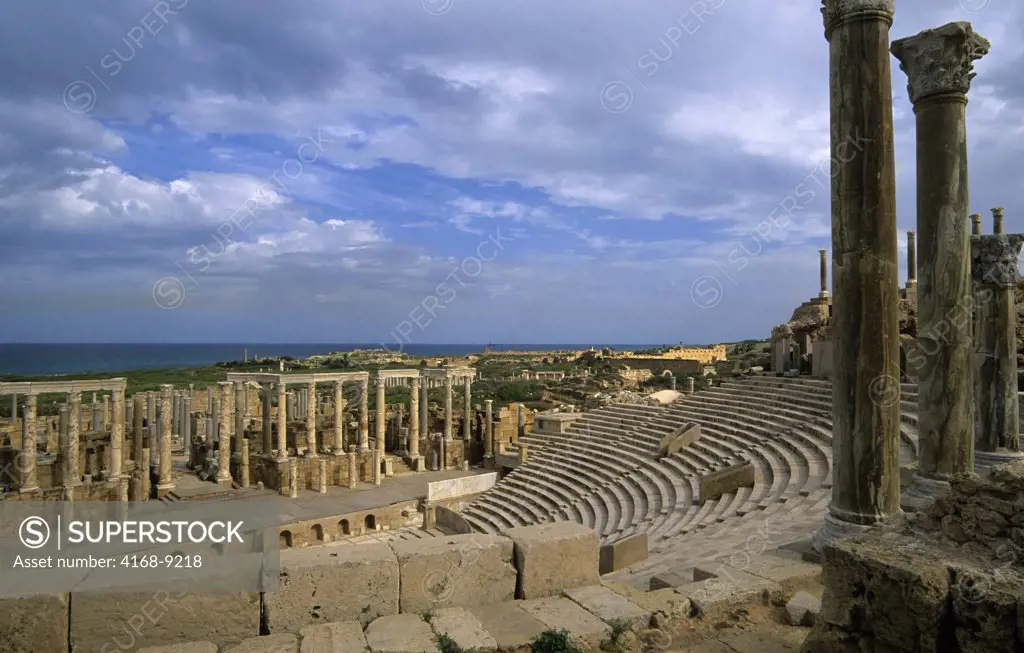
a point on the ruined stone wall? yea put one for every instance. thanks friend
(335, 528)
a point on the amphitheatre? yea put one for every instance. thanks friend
(859, 486)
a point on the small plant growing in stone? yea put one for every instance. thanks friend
(615, 642)
(555, 641)
(428, 615)
(446, 644)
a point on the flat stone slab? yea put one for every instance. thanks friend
(554, 557)
(337, 637)
(729, 588)
(400, 633)
(609, 606)
(187, 647)
(561, 613)
(280, 643)
(755, 642)
(510, 626)
(464, 629)
(668, 601)
(802, 609)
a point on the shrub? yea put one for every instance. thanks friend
(554, 641)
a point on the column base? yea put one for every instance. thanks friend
(163, 489)
(28, 490)
(833, 530)
(922, 492)
(224, 482)
(984, 460)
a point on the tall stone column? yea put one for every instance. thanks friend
(997, 213)
(241, 411)
(865, 269)
(975, 224)
(267, 423)
(175, 414)
(414, 418)
(71, 458)
(353, 470)
(691, 385)
(823, 271)
(94, 413)
(997, 413)
(151, 415)
(105, 415)
(282, 421)
(216, 408)
(243, 466)
(187, 416)
(311, 443)
(224, 431)
(339, 418)
(467, 400)
(447, 410)
(29, 474)
(521, 414)
(381, 407)
(489, 428)
(911, 259)
(425, 408)
(938, 64)
(141, 474)
(114, 466)
(322, 476)
(364, 414)
(165, 477)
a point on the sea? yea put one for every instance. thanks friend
(46, 359)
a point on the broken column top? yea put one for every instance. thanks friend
(997, 220)
(838, 12)
(994, 259)
(940, 60)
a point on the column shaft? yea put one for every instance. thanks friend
(114, 466)
(489, 428)
(29, 473)
(282, 421)
(425, 408)
(339, 418)
(165, 479)
(71, 459)
(467, 400)
(447, 410)
(414, 419)
(823, 271)
(267, 423)
(241, 411)
(224, 433)
(311, 441)
(364, 415)
(381, 413)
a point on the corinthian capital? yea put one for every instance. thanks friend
(994, 259)
(837, 12)
(940, 60)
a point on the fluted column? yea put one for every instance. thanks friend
(865, 269)
(282, 421)
(311, 441)
(267, 424)
(447, 409)
(71, 460)
(467, 401)
(997, 213)
(165, 477)
(823, 271)
(381, 412)
(114, 465)
(364, 414)
(938, 64)
(339, 418)
(489, 428)
(29, 474)
(997, 413)
(224, 428)
(241, 411)
(414, 418)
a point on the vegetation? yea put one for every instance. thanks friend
(616, 642)
(555, 641)
(446, 644)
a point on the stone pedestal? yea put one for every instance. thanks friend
(865, 266)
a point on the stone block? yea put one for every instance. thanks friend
(131, 619)
(457, 570)
(901, 593)
(986, 608)
(623, 553)
(669, 602)
(400, 633)
(554, 557)
(464, 629)
(609, 606)
(670, 579)
(510, 626)
(725, 587)
(279, 643)
(186, 647)
(337, 637)
(802, 609)
(324, 584)
(30, 624)
(726, 480)
(562, 614)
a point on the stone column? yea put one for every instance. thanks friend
(381, 413)
(293, 478)
(71, 459)
(975, 224)
(447, 410)
(823, 271)
(267, 424)
(175, 414)
(282, 421)
(691, 385)
(243, 463)
(240, 410)
(376, 466)
(322, 476)
(114, 466)
(165, 477)
(467, 400)
(911, 259)
(865, 269)
(414, 418)
(310, 396)
(339, 418)
(997, 413)
(521, 410)
(141, 475)
(938, 63)
(29, 475)
(353, 470)
(94, 410)
(997, 213)
(224, 441)
(489, 428)
(364, 415)
(215, 410)
(187, 426)
(425, 408)
(105, 415)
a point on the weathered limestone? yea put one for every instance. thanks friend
(865, 275)
(353, 470)
(165, 478)
(376, 456)
(414, 420)
(224, 444)
(310, 408)
(489, 429)
(467, 402)
(691, 385)
(73, 477)
(140, 477)
(975, 224)
(116, 437)
(364, 415)
(279, 643)
(609, 606)
(343, 637)
(938, 63)
(282, 421)
(401, 633)
(447, 411)
(267, 425)
(293, 478)
(382, 408)
(425, 409)
(563, 614)
(823, 272)
(456, 570)
(997, 413)
(997, 213)
(243, 464)
(322, 476)
(318, 585)
(463, 628)
(553, 557)
(912, 263)
(240, 411)
(339, 419)
(33, 623)
(623, 553)
(30, 477)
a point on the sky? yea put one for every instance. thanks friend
(441, 171)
